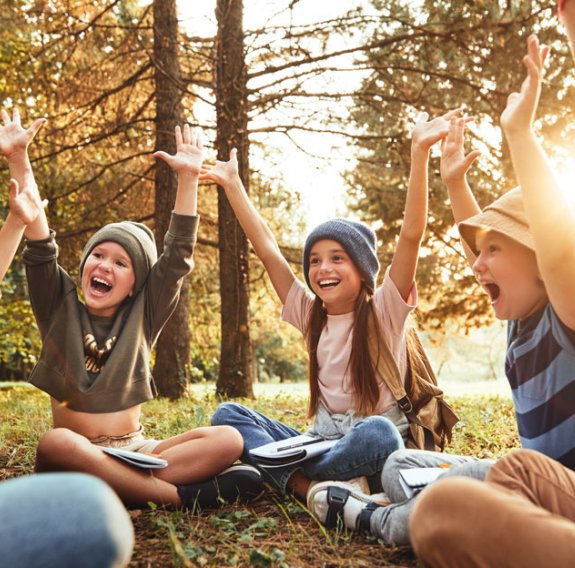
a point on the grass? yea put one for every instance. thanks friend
(271, 532)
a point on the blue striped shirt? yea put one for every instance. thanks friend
(540, 367)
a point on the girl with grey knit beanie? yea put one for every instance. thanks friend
(339, 316)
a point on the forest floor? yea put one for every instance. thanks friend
(269, 532)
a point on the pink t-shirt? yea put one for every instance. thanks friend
(334, 347)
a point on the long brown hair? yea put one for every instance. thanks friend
(363, 376)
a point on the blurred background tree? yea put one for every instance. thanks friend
(352, 84)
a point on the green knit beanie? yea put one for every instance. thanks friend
(138, 241)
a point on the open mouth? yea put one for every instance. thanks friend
(328, 284)
(99, 285)
(493, 291)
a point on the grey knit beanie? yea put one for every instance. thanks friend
(357, 239)
(138, 241)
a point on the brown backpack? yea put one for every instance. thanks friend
(431, 419)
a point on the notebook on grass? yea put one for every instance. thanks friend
(290, 451)
(413, 480)
(137, 459)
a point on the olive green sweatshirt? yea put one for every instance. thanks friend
(96, 364)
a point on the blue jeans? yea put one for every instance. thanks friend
(60, 520)
(362, 451)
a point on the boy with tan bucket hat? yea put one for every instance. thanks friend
(522, 250)
(506, 215)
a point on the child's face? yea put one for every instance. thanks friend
(107, 279)
(333, 276)
(508, 273)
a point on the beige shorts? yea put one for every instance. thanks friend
(133, 441)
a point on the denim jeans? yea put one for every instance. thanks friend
(361, 451)
(60, 520)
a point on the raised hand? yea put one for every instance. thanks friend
(189, 151)
(24, 203)
(427, 132)
(519, 113)
(454, 162)
(222, 173)
(13, 136)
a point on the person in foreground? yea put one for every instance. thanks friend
(95, 354)
(61, 519)
(348, 398)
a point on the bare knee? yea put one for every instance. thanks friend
(228, 441)
(58, 449)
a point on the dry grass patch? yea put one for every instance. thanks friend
(271, 532)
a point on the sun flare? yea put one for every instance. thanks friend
(566, 178)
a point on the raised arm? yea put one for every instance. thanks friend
(551, 217)
(454, 166)
(10, 236)
(14, 142)
(226, 175)
(24, 209)
(404, 264)
(187, 163)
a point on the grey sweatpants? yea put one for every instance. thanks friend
(391, 523)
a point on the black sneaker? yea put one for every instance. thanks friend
(240, 482)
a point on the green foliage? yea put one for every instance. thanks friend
(275, 359)
(20, 338)
(487, 428)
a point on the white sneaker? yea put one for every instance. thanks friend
(331, 502)
(360, 484)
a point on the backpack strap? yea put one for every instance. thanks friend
(384, 362)
(387, 368)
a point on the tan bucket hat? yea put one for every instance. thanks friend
(506, 215)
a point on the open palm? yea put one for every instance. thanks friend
(221, 172)
(427, 132)
(13, 136)
(454, 163)
(189, 151)
(519, 113)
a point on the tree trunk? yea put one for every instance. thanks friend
(171, 371)
(236, 372)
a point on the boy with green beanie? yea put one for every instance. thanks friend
(95, 356)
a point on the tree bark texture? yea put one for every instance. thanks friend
(236, 369)
(171, 371)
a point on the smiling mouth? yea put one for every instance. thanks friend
(328, 284)
(493, 291)
(99, 285)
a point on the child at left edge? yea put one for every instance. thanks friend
(93, 528)
(95, 355)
